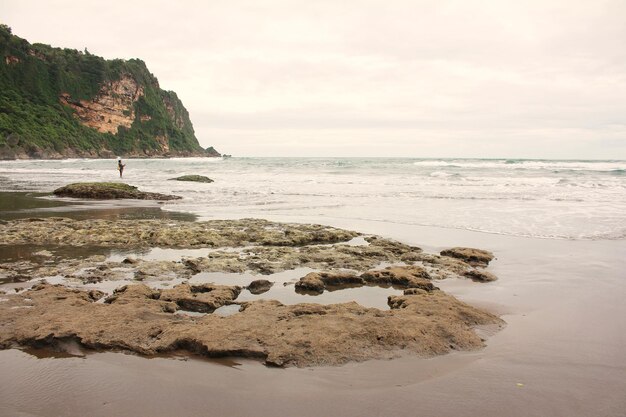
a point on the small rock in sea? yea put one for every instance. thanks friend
(193, 178)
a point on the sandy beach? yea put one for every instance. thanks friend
(561, 353)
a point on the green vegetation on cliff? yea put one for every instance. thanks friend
(62, 102)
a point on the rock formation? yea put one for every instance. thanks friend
(108, 191)
(193, 178)
(111, 108)
(160, 306)
(141, 320)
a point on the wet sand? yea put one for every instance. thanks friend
(561, 354)
(19, 205)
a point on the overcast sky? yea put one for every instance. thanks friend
(534, 79)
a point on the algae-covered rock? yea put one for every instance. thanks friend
(204, 298)
(258, 246)
(476, 257)
(170, 233)
(193, 178)
(480, 276)
(317, 282)
(399, 277)
(108, 191)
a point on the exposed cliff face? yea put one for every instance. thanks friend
(10, 59)
(58, 103)
(171, 110)
(111, 108)
(164, 143)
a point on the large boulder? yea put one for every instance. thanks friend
(108, 191)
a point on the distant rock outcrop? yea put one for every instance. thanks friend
(193, 178)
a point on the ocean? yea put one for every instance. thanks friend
(574, 200)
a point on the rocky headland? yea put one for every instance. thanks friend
(159, 307)
(63, 103)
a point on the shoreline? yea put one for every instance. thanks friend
(553, 346)
(24, 204)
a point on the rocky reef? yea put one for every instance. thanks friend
(141, 320)
(108, 191)
(159, 306)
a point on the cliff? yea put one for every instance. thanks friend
(57, 103)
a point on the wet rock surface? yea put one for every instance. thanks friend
(204, 298)
(159, 233)
(397, 277)
(317, 282)
(479, 275)
(193, 178)
(133, 302)
(477, 257)
(109, 191)
(259, 286)
(140, 320)
(403, 277)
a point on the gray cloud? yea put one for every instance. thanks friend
(389, 78)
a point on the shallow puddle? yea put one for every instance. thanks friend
(40, 253)
(19, 205)
(190, 313)
(223, 278)
(357, 241)
(283, 289)
(226, 311)
(157, 254)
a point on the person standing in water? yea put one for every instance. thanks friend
(120, 166)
